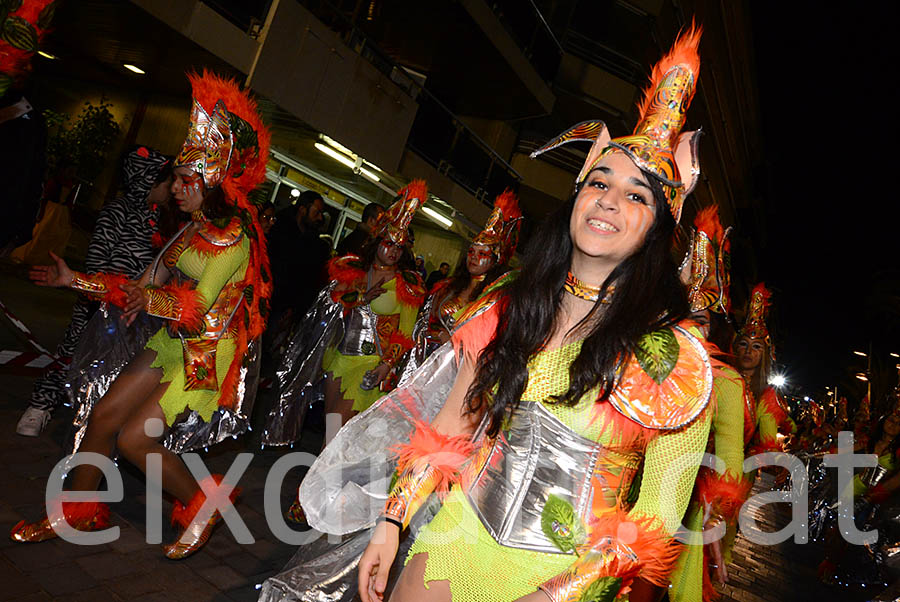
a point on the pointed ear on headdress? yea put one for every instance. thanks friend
(587, 131)
(687, 158)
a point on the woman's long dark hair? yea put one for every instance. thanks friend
(648, 296)
(216, 205)
(369, 252)
(462, 278)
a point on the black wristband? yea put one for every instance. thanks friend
(393, 521)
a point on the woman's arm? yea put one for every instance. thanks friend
(443, 442)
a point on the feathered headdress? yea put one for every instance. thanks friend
(707, 265)
(757, 314)
(21, 31)
(234, 157)
(394, 223)
(501, 232)
(657, 145)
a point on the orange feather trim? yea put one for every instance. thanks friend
(78, 511)
(683, 52)
(347, 269)
(707, 221)
(226, 237)
(189, 300)
(113, 284)
(723, 493)
(474, 335)
(657, 552)
(769, 399)
(625, 431)
(398, 338)
(444, 453)
(409, 293)
(183, 515)
(440, 285)
(765, 293)
(768, 444)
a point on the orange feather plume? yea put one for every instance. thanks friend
(417, 189)
(708, 221)
(765, 293)
(508, 203)
(683, 52)
(445, 453)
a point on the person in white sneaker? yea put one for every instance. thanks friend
(121, 243)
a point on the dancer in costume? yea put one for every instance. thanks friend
(486, 261)
(718, 495)
(569, 417)
(122, 242)
(754, 355)
(581, 383)
(359, 328)
(211, 286)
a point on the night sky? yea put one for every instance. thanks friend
(827, 87)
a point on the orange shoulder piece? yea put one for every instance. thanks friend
(347, 269)
(410, 288)
(667, 383)
(212, 239)
(440, 285)
(773, 404)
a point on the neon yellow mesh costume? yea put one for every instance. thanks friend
(456, 536)
(395, 312)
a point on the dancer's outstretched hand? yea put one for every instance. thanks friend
(57, 275)
(376, 561)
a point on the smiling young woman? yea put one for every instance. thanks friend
(550, 427)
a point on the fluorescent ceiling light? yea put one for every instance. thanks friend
(369, 174)
(340, 157)
(334, 143)
(46, 55)
(444, 221)
(134, 69)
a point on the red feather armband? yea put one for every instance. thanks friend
(180, 303)
(101, 286)
(428, 464)
(722, 494)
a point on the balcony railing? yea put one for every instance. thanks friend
(248, 15)
(437, 134)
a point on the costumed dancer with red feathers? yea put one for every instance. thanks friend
(754, 355)
(550, 425)
(352, 340)
(210, 285)
(486, 261)
(718, 495)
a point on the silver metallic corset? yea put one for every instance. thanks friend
(536, 457)
(360, 332)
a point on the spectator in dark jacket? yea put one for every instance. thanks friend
(354, 241)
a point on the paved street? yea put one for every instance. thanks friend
(130, 569)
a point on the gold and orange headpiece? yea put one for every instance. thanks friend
(657, 145)
(757, 314)
(224, 136)
(709, 262)
(394, 223)
(22, 29)
(501, 232)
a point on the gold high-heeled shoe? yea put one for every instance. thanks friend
(194, 534)
(83, 516)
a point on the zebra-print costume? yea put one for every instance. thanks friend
(121, 243)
